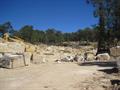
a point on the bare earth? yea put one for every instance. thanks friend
(52, 76)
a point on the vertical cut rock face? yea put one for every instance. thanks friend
(38, 58)
(27, 58)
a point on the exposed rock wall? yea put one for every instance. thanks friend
(12, 47)
(40, 53)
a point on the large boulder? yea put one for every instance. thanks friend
(12, 61)
(90, 56)
(103, 56)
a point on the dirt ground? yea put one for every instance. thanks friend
(53, 76)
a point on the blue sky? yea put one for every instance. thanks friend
(64, 15)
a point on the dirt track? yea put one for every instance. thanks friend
(51, 76)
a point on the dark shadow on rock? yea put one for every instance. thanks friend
(113, 82)
(4, 67)
(109, 71)
(100, 63)
(115, 85)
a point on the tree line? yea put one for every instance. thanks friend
(50, 36)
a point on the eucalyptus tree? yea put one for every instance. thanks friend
(116, 18)
(101, 11)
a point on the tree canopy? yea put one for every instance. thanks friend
(108, 12)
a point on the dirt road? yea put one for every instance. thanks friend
(51, 76)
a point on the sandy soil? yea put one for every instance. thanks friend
(52, 76)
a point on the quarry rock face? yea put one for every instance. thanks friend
(13, 47)
(43, 53)
(9, 51)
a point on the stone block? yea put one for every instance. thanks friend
(27, 57)
(37, 58)
(103, 56)
(12, 61)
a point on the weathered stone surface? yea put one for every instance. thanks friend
(12, 47)
(115, 51)
(103, 56)
(68, 59)
(12, 61)
(1, 40)
(37, 58)
(1, 55)
(30, 48)
(18, 62)
(78, 58)
(5, 62)
(41, 53)
(27, 57)
(118, 63)
(90, 56)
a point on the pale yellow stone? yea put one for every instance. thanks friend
(12, 47)
(30, 48)
(115, 51)
(90, 56)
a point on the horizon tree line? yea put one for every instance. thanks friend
(51, 35)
